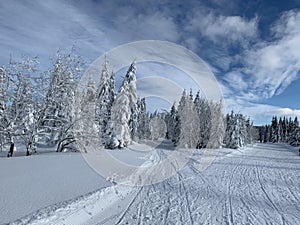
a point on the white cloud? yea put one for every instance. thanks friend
(287, 112)
(259, 113)
(272, 66)
(235, 80)
(42, 27)
(224, 29)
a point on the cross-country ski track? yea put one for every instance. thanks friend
(253, 185)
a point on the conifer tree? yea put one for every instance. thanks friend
(217, 130)
(104, 100)
(143, 120)
(123, 123)
(3, 108)
(189, 122)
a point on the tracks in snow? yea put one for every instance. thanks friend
(255, 185)
(234, 190)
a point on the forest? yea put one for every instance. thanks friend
(51, 108)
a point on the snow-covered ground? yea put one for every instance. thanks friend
(252, 185)
(28, 184)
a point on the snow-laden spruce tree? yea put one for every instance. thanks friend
(217, 129)
(203, 109)
(3, 100)
(189, 122)
(274, 130)
(232, 134)
(122, 124)
(58, 119)
(294, 139)
(118, 133)
(249, 131)
(178, 125)
(143, 120)
(239, 131)
(105, 96)
(86, 129)
(130, 81)
(171, 121)
(266, 134)
(242, 129)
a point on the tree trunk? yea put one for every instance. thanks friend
(11, 150)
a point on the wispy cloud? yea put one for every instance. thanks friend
(269, 67)
(224, 29)
(250, 69)
(260, 113)
(42, 27)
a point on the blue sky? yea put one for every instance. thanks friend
(253, 47)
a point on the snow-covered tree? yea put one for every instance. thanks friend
(3, 101)
(217, 125)
(203, 109)
(130, 81)
(122, 124)
(232, 134)
(19, 116)
(86, 129)
(239, 131)
(104, 100)
(284, 129)
(171, 121)
(178, 124)
(23, 109)
(189, 122)
(157, 127)
(294, 139)
(143, 120)
(59, 115)
(118, 133)
(250, 132)
(274, 130)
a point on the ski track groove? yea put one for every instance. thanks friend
(267, 195)
(127, 208)
(229, 194)
(184, 192)
(235, 189)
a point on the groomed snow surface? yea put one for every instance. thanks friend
(253, 185)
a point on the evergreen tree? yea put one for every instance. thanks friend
(178, 125)
(3, 109)
(217, 126)
(274, 130)
(171, 121)
(104, 100)
(280, 130)
(203, 109)
(86, 126)
(266, 134)
(143, 120)
(239, 131)
(123, 123)
(232, 132)
(189, 122)
(295, 133)
(130, 81)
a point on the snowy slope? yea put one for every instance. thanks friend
(254, 185)
(30, 183)
(258, 185)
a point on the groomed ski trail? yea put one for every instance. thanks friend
(253, 185)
